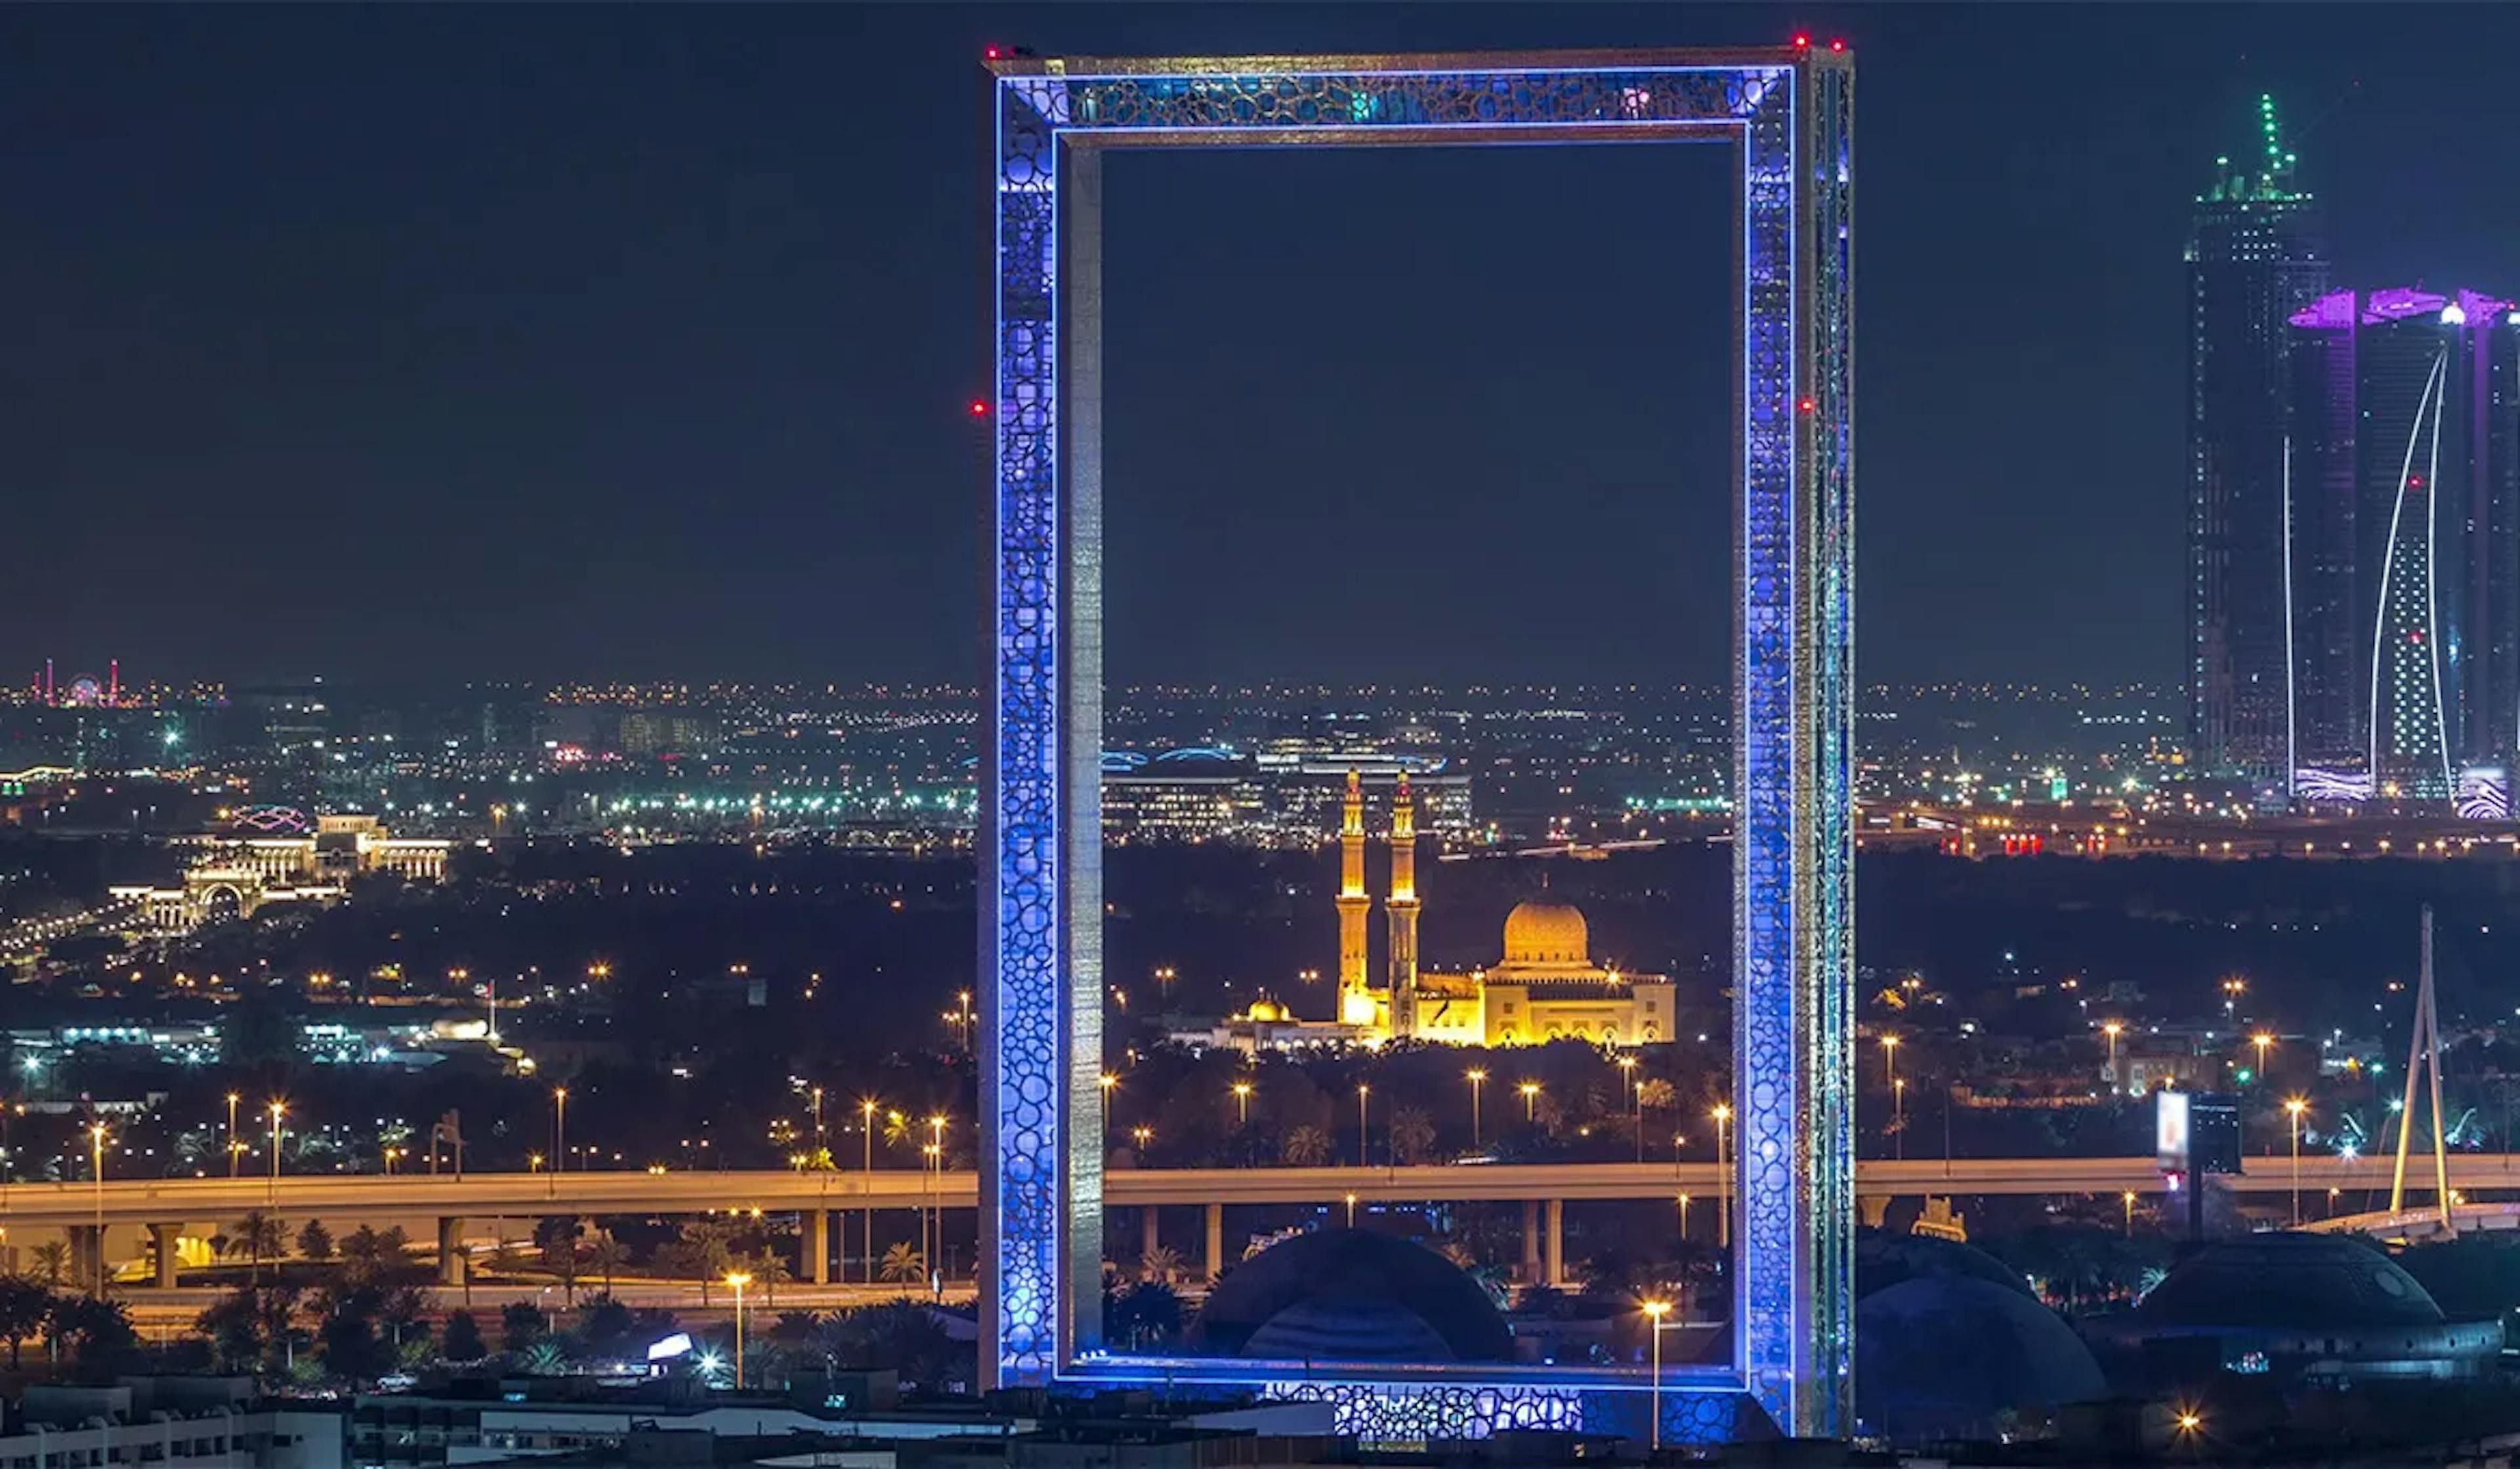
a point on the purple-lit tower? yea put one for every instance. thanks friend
(2254, 259)
(2402, 502)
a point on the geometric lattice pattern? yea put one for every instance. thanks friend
(1788, 112)
(1392, 1414)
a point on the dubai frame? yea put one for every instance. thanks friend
(1788, 112)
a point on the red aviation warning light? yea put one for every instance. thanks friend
(980, 408)
(1802, 40)
(1838, 45)
(1806, 406)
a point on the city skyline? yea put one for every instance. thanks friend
(737, 436)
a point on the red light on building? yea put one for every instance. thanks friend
(1807, 405)
(1802, 38)
(993, 53)
(979, 409)
(1838, 45)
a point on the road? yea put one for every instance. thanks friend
(348, 1200)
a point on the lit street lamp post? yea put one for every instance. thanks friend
(2262, 1041)
(1477, 1078)
(1683, 1217)
(2294, 1106)
(95, 1175)
(1241, 1104)
(276, 1110)
(2113, 1029)
(1362, 1091)
(232, 1136)
(1635, 1103)
(866, 1228)
(1654, 1313)
(1723, 1173)
(2130, 1213)
(739, 1280)
(1530, 1094)
(559, 1134)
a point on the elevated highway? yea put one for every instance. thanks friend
(444, 1204)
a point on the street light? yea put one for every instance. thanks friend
(1477, 1078)
(2262, 1041)
(866, 1230)
(559, 1133)
(1530, 1093)
(1890, 1059)
(1656, 1311)
(1351, 1211)
(2113, 1029)
(1683, 1217)
(277, 1109)
(2294, 1106)
(233, 1155)
(1899, 1115)
(1362, 1091)
(739, 1280)
(96, 1133)
(2129, 1200)
(1723, 1173)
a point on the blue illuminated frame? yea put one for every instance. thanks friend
(1790, 112)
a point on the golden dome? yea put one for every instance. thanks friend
(1552, 934)
(1268, 1009)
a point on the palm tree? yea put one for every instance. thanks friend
(260, 1234)
(605, 1255)
(1413, 1135)
(1162, 1263)
(903, 1264)
(769, 1270)
(1306, 1146)
(53, 1262)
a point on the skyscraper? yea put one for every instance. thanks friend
(2404, 459)
(2254, 259)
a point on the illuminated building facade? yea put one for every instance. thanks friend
(234, 877)
(1788, 112)
(2254, 257)
(2403, 450)
(1545, 988)
(1200, 796)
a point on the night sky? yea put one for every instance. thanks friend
(633, 341)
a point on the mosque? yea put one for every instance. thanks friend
(1545, 988)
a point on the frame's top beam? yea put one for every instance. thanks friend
(1620, 59)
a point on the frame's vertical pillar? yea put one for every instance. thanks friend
(1080, 697)
(1825, 309)
(1793, 841)
(1022, 918)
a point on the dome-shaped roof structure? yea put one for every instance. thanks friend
(1954, 1354)
(1546, 935)
(2288, 1280)
(1883, 1259)
(1348, 1295)
(1268, 1009)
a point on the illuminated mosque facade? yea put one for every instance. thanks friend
(1546, 987)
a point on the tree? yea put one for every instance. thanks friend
(375, 1257)
(314, 1241)
(903, 1264)
(1306, 1146)
(97, 1330)
(561, 1257)
(401, 1309)
(24, 1305)
(901, 1334)
(1147, 1314)
(1413, 1135)
(1161, 1265)
(769, 1270)
(260, 1235)
(709, 1252)
(605, 1255)
(522, 1323)
(53, 1262)
(464, 1338)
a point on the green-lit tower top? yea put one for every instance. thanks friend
(2270, 180)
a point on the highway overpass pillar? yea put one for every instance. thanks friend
(1215, 1240)
(1531, 1240)
(450, 1251)
(1555, 1260)
(162, 1245)
(818, 1246)
(87, 1254)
